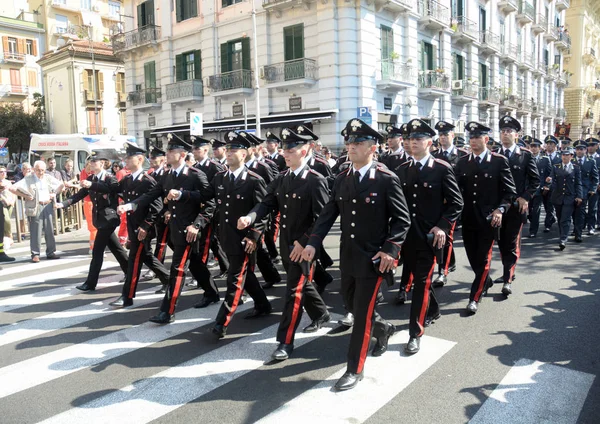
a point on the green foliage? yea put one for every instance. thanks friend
(17, 125)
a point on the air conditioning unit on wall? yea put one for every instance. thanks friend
(457, 85)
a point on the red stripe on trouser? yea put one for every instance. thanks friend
(410, 283)
(136, 264)
(512, 268)
(206, 245)
(368, 325)
(276, 227)
(179, 280)
(484, 276)
(238, 293)
(163, 245)
(450, 247)
(425, 305)
(297, 302)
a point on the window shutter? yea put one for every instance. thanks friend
(21, 49)
(434, 60)
(100, 82)
(197, 65)
(420, 55)
(224, 3)
(35, 51)
(118, 87)
(288, 43)
(193, 8)
(179, 9)
(84, 79)
(455, 73)
(149, 10)
(299, 42)
(179, 65)
(246, 53)
(225, 58)
(5, 43)
(31, 78)
(140, 15)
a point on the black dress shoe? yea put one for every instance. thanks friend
(499, 280)
(413, 345)
(379, 299)
(578, 239)
(506, 289)
(562, 246)
(205, 301)
(257, 313)
(219, 330)
(212, 264)
(283, 352)
(488, 286)
(348, 381)
(452, 268)
(347, 320)
(163, 318)
(316, 324)
(5, 258)
(52, 256)
(382, 342)
(193, 284)
(122, 302)
(431, 320)
(546, 230)
(85, 287)
(221, 275)
(267, 284)
(472, 307)
(440, 281)
(401, 297)
(162, 290)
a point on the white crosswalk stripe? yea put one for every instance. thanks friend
(12, 271)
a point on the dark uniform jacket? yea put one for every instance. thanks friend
(234, 200)
(485, 187)
(394, 160)
(453, 155)
(279, 160)
(103, 194)
(524, 172)
(544, 170)
(274, 166)
(374, 217)
(432, 194)
(320, 165)
(557, 158)
(589, 175)
(263, 169)
(210, 168)
(299, 200)
(566, 184)
(130, 190)
(195, 206)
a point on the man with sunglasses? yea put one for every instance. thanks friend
(374, 224)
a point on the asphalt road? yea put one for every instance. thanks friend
(65, 356)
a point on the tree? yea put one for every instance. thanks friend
(18, 125)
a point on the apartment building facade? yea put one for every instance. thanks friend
(322, 63)
(582, 98)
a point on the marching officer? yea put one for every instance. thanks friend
(550, 143)
(488, 191)
(374, 223)
(237, 191)
(545, 171)
(315, 160)
(190, 210)
(272, 145)
(396, 155)
(299, 195)
(589, 184)
(527, 181)
(139, 225)
(567, 193)
(435, 203)
(102, 188)
(218, 148)
(593, 201)
(158, 162)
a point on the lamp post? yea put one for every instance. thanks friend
(256, 78)
(60, 87)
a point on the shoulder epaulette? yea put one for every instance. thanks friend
(497, 154)
(254, 174)
(384, 170)
(222, 172)
(442, 162)
(323, 161)
(312, 171)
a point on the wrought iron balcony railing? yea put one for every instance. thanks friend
(434, 10)
(241, 78)
(467, 27)
(184, 89)
(291, 70)
(136, 38)
(145, 96)
(398, 71)
(434, 80)
(489, 94)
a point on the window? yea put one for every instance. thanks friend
(145, 13)
(225, 3)
(427, 57)
(86, 4)
(482, 19)
(120, 82)
(62, 23)
(186, 9)
(458, 8)
(188, 66)
(152, 95)
(293, 42)
(90, 83)
(546, 58)
(235, 55)
(114, 9)
(502, 31)
(483, 74)
(29, 47)
(31, 78)
(458, 67)
(387, 42)
(12, 45)
(94, 126)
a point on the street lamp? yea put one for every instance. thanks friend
(53, 80)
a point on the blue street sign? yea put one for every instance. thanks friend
(4, 151)
(364, 113)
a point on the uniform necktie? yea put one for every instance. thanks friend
(292, 175)
(580, 161)
(446, 154)
(418, 165)
(478, 159)
(507, 153)
(357, 177)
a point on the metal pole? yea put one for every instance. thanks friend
(94, 80)
(245, 114)
(256, 79)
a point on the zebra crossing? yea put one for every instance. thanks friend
(95, 364)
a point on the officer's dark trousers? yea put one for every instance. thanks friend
(140, 252)
(510, 242)
(592, 211)
(479, 243)
(360, 294)
(549, 209)
(198, 262)
(271, 235)
(217, 249)
(564, 213)
(449, 260)
(579, 217)
(535, 209)
(105, 237)
(240, 276)
(300, 292)
(420, 262)
(162, 241)
(265, 265)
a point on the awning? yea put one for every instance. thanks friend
(232, 124)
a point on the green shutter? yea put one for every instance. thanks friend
(193, 8)
(224, 3)
(197, 65)
(225, 63)
(387, 42)
(140, 15)
(179, 68)
(454, 66)
(179, 10)
(246, 53)
(299, 41)
(150, 75)
(434, 57)
(288, 43)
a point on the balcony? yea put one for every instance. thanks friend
(465, 31)
(589, 56)
(525, 61)
(433, 15)
(540, 24)
(564, 79)
(111, 17)
(562, 5)
(561, 113)
(125, 41)
(396, 76)
(552, 72)
(90, 97)
(434, 84)
(464, 91)
(490, 43)
(96, 130)
(509, 53)
(563, 42)
(121, 99)
(297, 72)
(185, 91)
(231, 83)
(67, 5)
(14, 90)
(551, 33)
(147, 98)
(489, 96)
(508, 102)
(278, 6)
(538, 70)
(508, 6)
(526, 12)
(10, 57)
(537, 111)
(396, 6)
(524, 107)
(69, 31)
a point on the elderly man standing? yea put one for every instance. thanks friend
(39, 189)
